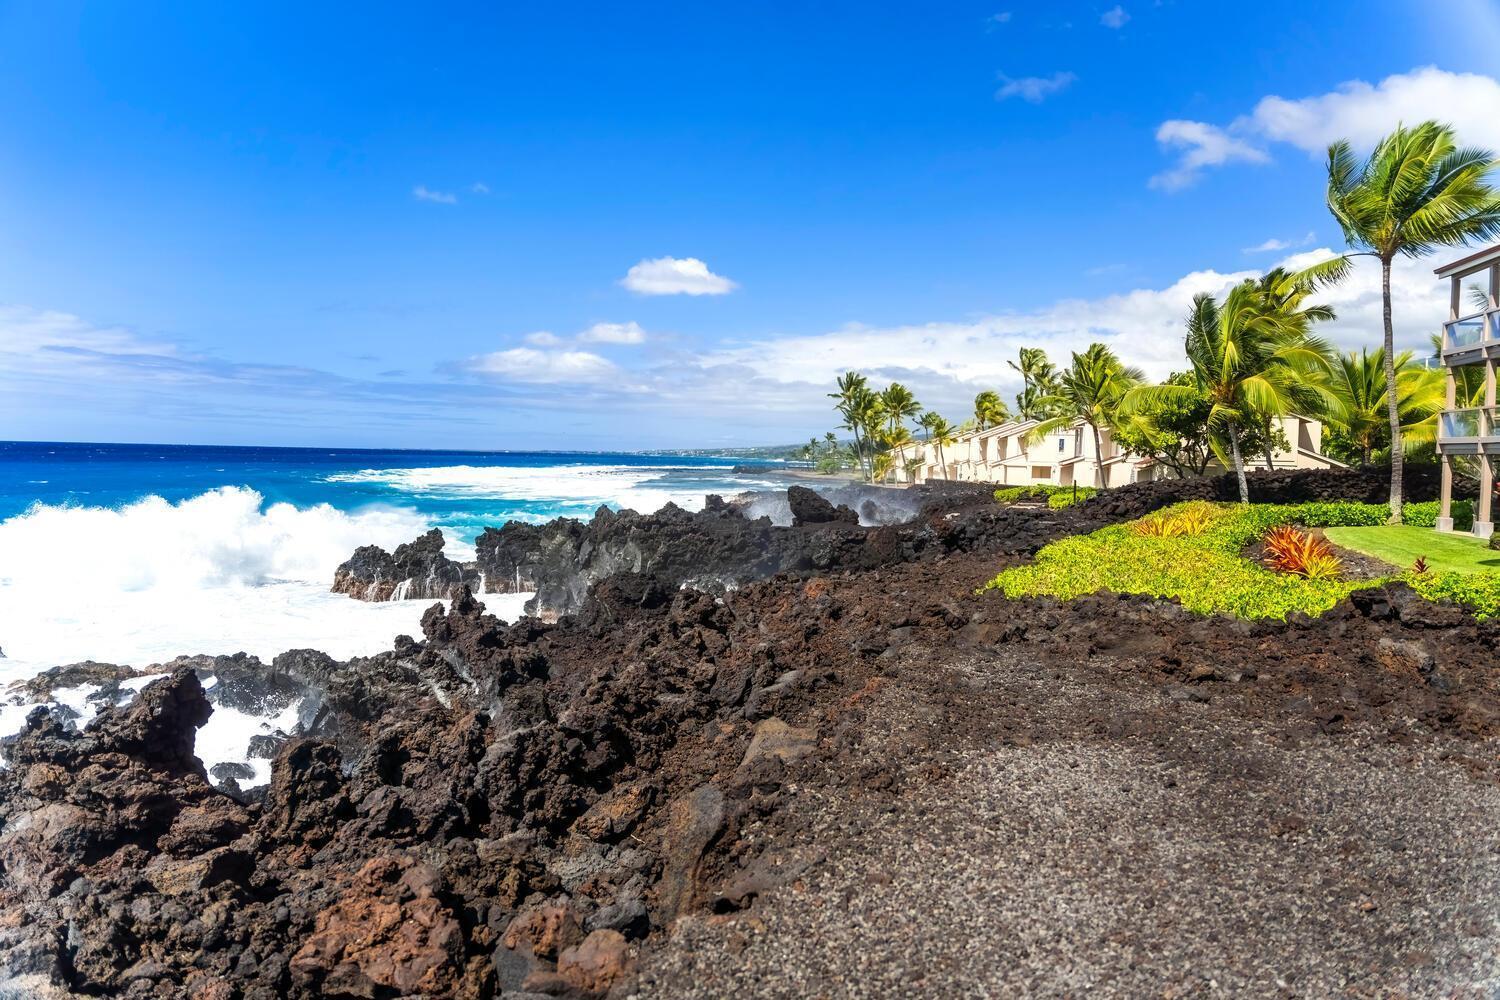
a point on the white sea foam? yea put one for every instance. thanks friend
(644, 489)
(221, 538)
(215, 574)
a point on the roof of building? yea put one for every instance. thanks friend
(1471, 263)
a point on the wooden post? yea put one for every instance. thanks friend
(1483, 526)
(1445, 495)
(1484, 523)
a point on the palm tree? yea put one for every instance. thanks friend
(1417, 192)
(1038, 377)
(1357, 393)
(899, 404)
(940, 433)
(1242, 360)
(870, 412)
(989, 410)
(1283, 298)
(853, 396)
(1089, 389)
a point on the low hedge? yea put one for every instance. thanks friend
(1066, 496)
(1056, 496)
(1207, 573)
(1479, 592)
(1425, 514)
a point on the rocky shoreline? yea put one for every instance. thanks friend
(608, 804)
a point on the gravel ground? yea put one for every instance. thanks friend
(1046, 833)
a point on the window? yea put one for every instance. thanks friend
(1041, 472)
(1062, 445)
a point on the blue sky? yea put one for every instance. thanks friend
(417, 227)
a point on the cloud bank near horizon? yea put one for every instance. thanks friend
(761, 389)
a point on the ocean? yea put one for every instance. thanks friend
(135, 554)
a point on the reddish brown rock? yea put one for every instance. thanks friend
(388, 933)
(545, 931)
(602, 960)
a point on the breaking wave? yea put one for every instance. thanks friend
(538, 494)
(219, 573)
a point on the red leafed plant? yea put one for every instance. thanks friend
(1288, 550)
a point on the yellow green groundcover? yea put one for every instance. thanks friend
(1207, 572)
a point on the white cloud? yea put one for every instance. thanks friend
(1034, 89)
(1203, 146)
(613, 333)
(1115, 17)
(1273, 244)
(423, 193)
(1358, 111)
(675, 276)
(1363, 113)
(1003, 17)
(527, 364)
(945, 363)
(35, 334)
(479, 187)
(544, 338)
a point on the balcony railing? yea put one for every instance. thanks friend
(1463, 424)
(1469, 332)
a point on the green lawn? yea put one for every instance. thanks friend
(1401, 544)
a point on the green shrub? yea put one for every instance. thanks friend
(1207, 572)
(1337, 514)
(1015, 494)
(1479, 592)
(1066, 496)
(1425, 514)
(1056, 496)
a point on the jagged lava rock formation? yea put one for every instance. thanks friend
(526, 809)
(417, 570)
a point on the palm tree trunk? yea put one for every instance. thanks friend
(943, 461)
(859, 449)
(1392, 404)
(1239, 461)
(1270, 455)
(1098, 456)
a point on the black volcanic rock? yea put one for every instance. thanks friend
(417, 570)
(810, 507)
(713, 550)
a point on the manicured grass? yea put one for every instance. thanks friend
(1401, 544)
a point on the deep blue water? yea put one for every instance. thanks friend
(461, 491)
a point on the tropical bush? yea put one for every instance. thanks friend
(1479, 592)
(1289, 550)
(1186, 520)
(1207, 571)
(1425, 514)
(1056, 496)
(1067, 496)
